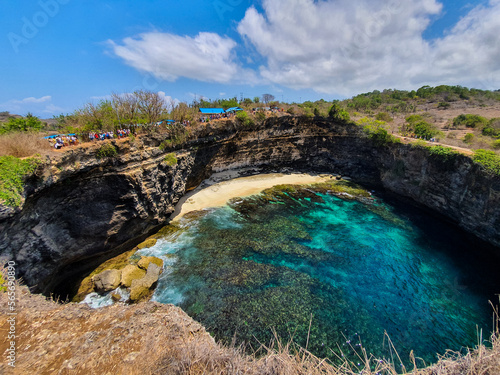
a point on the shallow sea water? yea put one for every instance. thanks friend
(342, 272)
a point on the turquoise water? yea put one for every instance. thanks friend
(342, 272)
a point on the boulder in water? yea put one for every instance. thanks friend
(130, 273)
(141, 288)
(107, 280)
(145, 261)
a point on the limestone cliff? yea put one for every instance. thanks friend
(83, 210)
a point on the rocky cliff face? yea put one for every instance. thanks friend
(84, 210)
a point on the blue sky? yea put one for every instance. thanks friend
(56, 55)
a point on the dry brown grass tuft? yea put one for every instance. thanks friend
(23, 144)
(195, 358)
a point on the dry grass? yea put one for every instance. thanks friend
(288, 359)
(23, 144)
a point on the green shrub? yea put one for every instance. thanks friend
(469, 138)
(106, 150)
(492, 129)
(13, 171)
(177, 135)
(260, 116)
(444, 105)
(489, 160)
(470, 121)
(384, 116)
(167, 143)
(496, 144)
(415, 124)
(24, 124)
(445, 154)
(425, 130)
(381, 137)
(370, 125)
(170, 159)
(244, 119)
(419, 143)
(339, 114)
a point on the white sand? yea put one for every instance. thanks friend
(218, 194)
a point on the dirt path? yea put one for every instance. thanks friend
(408, 140)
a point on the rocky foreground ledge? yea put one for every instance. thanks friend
(152, 338)
(53, 338)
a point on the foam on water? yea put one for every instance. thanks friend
(96, 300)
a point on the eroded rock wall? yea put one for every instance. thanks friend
(84, 210)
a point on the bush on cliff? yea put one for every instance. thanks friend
(377, 131)
(13, 172)
(244, 119)
(338, 113)
(170, 159)
(177, 134)
(489, 160)
(106, 150)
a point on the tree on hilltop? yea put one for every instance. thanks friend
(266, 98)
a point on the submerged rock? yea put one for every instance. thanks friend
(150, 242)
(141, 288)
(145, 261)
(107, 280)
(130, 273)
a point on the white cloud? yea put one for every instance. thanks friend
(169, 101)
(207, 57)
(470, 52)
(332, 46)
(30, 104)
(53, 109)
(31, 99)
(344, 46)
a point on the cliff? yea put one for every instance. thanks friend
(82, 209)
(53, 338)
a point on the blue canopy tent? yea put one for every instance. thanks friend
(212, 111)
(234, 109)
(59, 135)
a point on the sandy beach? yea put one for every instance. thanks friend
(217, 194)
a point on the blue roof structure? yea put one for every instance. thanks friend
(234, 109)
(211, 111)
(58, 135)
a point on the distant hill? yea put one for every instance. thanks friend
(6, 115)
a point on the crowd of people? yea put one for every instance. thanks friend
(63, 140)
(217, 116)
(120, 133)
